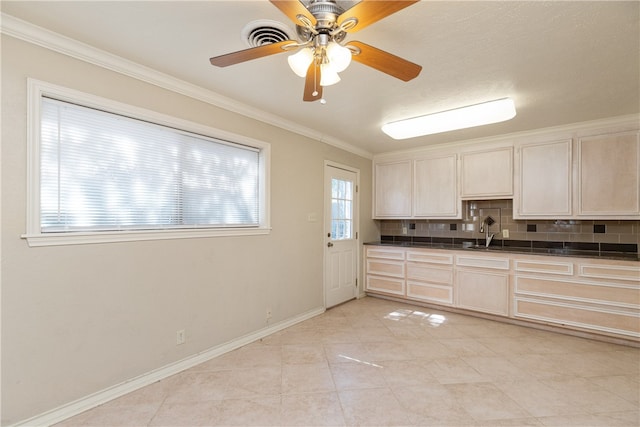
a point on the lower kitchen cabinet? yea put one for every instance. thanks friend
(385, 268)
(597, 296)
(430, 276)
(482, 284)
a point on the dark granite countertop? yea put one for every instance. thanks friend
(480, 247)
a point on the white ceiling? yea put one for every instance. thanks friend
(561, 61)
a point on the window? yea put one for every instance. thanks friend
(106, 171)
(341, 209)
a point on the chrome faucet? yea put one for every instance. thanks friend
(484, 228)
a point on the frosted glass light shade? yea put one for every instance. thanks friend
(460, 118)
(339, 56)
(300, 61)
(328, 76)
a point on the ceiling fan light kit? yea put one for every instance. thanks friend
(481, 114)
(322, 27)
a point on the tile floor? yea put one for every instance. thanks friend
(373, 362)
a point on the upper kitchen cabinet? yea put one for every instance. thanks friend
(435, 187)
(609, 176)
(417, 187)
(487, 174)
(392, 189)
(543, 180)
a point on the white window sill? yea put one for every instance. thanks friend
(83, 238)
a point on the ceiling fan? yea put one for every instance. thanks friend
(322, 27)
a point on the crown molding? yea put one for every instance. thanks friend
(23, 30)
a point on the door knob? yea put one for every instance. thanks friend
(329, 245)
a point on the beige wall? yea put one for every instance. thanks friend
(77, 319)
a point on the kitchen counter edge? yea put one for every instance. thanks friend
(561, 252)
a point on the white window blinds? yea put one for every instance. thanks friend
(101, 171)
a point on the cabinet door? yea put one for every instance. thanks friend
(483, 291)
(544, 181)
(392, 190)
(609, 176)
(487, 174)
(435, 188)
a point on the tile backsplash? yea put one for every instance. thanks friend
(583, 231)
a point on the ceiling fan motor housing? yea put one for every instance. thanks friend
(326, 13)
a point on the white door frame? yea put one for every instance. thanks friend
(356, 226)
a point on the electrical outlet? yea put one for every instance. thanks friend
(268, 314)
(505, 233)
(180, 337)
(404, 230)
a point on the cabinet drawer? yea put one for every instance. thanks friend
(427, 273)
(386, 253)
(618, 272)
(440, 294)
(429, 257)
(385, 284)
(385, 268)
(595, 318)
(483, 262)
(610, 294)
(565, 268)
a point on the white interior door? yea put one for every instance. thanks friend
(341, 232)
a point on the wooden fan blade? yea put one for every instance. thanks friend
(312, 83)
(385, 62)
(249, 54)
(369, 11)
(293, 8)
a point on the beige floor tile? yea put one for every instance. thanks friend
(303, 353)
(452, 370)
(459, 347)
(405, 373)
(357, 375)
(428, 348)
(591, 397)
(200, 387)
(314, 409)
(623, 386)
(347, 353)
(392, 349)
(113, 415)
(306, 378)
(338, 336)
(517, 422)
(505, 345)
(627, 419)
(372, 407)
(543, 365)
(496, 368)
(246, 383)
(484, 402)
(432, 404)
(260, 411)
(186, 414)
(539, 399)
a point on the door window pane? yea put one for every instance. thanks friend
(341, 209)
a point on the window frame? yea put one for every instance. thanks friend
(36, 90)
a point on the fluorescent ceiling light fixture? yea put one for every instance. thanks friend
(459, 118)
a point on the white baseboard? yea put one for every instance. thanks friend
(91, 401)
